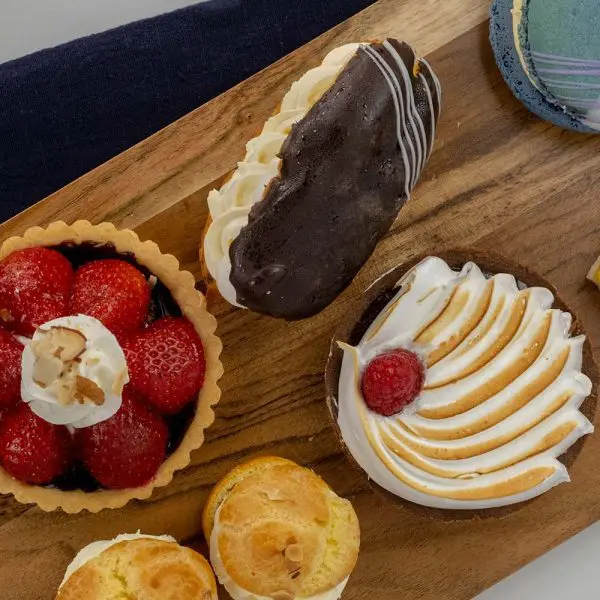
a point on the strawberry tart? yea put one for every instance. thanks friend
(110, 367)
(467, 383)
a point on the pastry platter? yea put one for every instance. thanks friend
(498, 180)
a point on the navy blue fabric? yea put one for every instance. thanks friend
(66, 110)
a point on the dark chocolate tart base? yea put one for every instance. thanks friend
(375, 298)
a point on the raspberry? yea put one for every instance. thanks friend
(392, 380)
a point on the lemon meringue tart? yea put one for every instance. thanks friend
(140, 567)
(277, 531)
(466, 383)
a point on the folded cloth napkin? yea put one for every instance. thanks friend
(65, 110)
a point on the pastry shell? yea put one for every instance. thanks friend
(247, 489)
(192, 304)
(373, 301)
(152, 568)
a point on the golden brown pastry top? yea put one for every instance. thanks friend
(142, 569)
(281, 530)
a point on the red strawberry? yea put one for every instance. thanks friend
(11, 351)
(112, 291)
(31, 449)
(166, 363)
(392, 380)
(127, 449)
(34, 288)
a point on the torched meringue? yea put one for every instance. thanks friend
(503, 387)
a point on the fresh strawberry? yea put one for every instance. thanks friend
(126, 450)
(392, 380)
(11, 351)
(166, 363)
(31, 449)
(112, 291)
(35, 284)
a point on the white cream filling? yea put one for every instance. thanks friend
(230, 206)
(94, 549)
(102, 362)
(442, 452)
(239, 593)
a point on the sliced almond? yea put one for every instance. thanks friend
(69, 343)
(86, 389)
(294, 552)
(42, 347)
(46, 370)
(6, 315)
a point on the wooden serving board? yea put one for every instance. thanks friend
(499, 178)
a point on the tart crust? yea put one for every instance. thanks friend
(192, 304)
(373, 301)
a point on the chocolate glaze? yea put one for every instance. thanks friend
(161, 305)
(344, 176)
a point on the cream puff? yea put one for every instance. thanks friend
(277, 531)
(139, 567)
(324, 180)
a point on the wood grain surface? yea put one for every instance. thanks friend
(498, 178)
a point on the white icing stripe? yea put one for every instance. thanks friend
(434, 116)
(438, 87)
(413, 116)
(414, 146)
(502, 391)
(401, 130)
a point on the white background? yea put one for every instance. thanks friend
(569, 572)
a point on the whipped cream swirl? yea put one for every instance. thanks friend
(501, 397)
(230, 206)
(101, 362)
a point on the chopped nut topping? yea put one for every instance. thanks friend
(47, 369)
(86, 389)
(293, 555)
(294, 552)
(283, 595)
(272, 494)
(62, 342)
(5, 315)
(57, 354)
